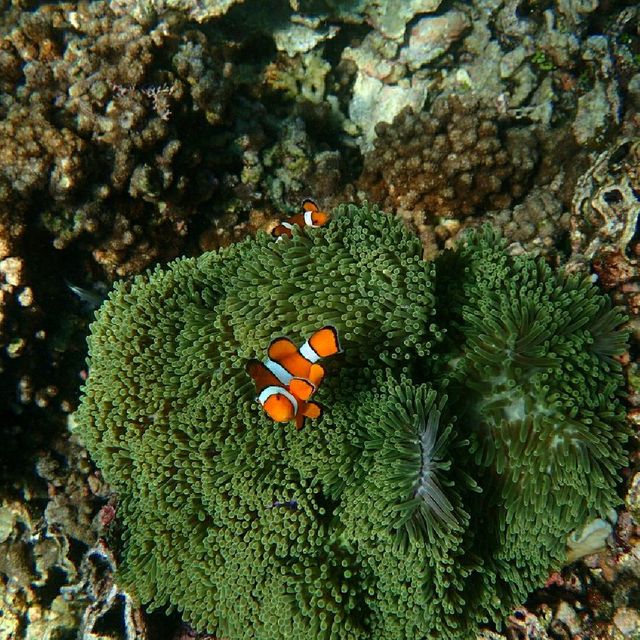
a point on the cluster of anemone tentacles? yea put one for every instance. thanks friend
(472, 423)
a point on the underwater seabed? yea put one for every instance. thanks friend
(134, 132)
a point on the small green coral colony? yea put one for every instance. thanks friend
(473, 421)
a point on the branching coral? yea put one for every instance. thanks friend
(90, 118)
(441, 482)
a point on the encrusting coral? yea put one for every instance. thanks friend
(472, 423)
(450, 161)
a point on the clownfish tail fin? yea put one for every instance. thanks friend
(325, 341)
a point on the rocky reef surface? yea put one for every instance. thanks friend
(135, 131)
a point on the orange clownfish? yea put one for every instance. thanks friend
(311, 216)
(289, 376)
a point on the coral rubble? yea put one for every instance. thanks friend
(605, 223)
(41, 577)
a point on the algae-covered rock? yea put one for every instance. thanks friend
(472, 423)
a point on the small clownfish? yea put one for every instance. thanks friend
(278, 401)
(311, 216)
(298, 369)
(289, 376)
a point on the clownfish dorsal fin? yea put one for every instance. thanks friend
(280, 348)
(301, 388)
(253, 367)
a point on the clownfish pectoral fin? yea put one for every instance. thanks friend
(325, 342)
(316, 375)
(312, 410)
(301, 388)
(308, 410)
(280, 348)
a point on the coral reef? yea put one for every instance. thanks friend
(133, 131)
(605, 221)
(40, 551)
(41, 351)
(523, 55)
(605, 205)
(543, 62)
(444, 477)
(122, 134)
(15, 292)
(451, 161)
(536, 224)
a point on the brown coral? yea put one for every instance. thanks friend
(92, 127)
(454, 160)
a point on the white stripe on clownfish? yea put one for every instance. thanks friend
(267, 392)
(278, 371)
(309, 353)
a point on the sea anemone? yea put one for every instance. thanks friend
(474, 420)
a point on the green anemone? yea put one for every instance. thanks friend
(473, 421)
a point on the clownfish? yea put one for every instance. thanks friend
(289, 376)
(311, 216)
(278, 400)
